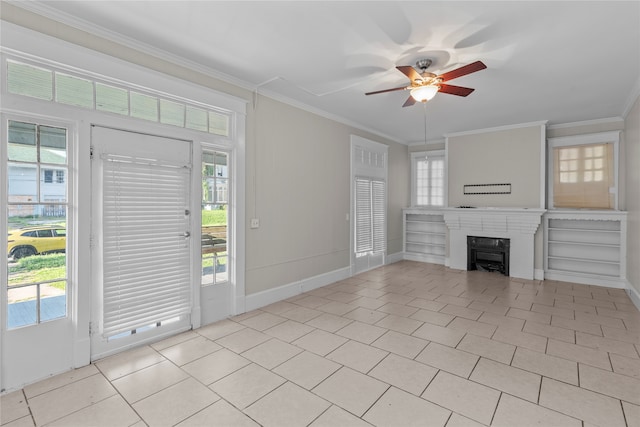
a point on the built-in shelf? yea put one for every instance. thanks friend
(425, 235)
(586, 246)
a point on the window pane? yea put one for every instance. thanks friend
(23, 182)
(112, 99)
(583, 176)
(36, 243)
(144, 106)
(218, 124)
(214, 244)
(22, 142)
(74, 91)
(222, 190)
(171, 113)
(53, 145)
(196, 119)
(22, 305)
(52, 190)
(23, 79)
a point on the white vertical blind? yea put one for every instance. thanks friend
(145, 249)
(370, 215)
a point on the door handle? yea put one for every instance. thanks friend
(187, 234)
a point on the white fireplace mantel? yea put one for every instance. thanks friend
(519, 225)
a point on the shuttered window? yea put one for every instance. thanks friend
(146, 277)
(370, 233)
(583, 176)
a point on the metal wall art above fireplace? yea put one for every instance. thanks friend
(488, 254)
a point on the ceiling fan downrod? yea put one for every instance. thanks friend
(423, 64)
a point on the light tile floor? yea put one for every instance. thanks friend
(405, 344)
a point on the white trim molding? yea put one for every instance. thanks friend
(270, 296)
(497, 128)
(634, 294)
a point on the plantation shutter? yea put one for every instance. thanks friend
(146, 277)
(370, 216)
(378, 198)
(364, 240)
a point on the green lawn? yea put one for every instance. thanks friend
(39, 268)
(215, 217)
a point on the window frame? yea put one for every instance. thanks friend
(420, 155)
(211, 149)
(69, 204)
(599, 138)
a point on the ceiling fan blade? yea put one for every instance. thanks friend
(455, 90)
(463, 71)
(409, 102)
(410, 72)
(386, 90)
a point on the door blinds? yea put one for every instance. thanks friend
(370, 216)
(146, 263)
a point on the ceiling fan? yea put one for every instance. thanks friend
(424, 85)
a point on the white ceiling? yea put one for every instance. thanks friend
(557, 61)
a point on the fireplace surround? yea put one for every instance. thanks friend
(519, 225)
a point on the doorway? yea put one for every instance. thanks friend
(368, 204)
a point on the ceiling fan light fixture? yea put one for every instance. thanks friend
(424, 93)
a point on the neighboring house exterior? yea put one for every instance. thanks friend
(22, 176)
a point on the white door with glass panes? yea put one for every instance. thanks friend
(141, 256)
(368, 204)
(37, 282)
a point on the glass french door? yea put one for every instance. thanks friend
(37, 328)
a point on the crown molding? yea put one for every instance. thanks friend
(631, 100)
(586, 123)
(497, 129)
(326, 115)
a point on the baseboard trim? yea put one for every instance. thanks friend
(538, 274)
(431, 259)
(607, 282)
(392, 258)
(634, 294)
(270, 296)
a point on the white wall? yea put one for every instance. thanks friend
(509, 156)
(631, 142)
(299, 189)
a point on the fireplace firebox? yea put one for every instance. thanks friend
(488, 254)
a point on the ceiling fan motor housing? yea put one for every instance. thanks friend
(423, 64)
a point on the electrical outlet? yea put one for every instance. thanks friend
(255, 223)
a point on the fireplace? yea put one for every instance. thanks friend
(519, 225)
(488, 254)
